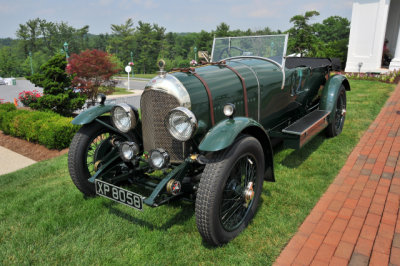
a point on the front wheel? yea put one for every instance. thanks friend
(336, 126)
(90, 144)
(229, 191)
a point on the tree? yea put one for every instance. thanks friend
(302, 35)
(149, 39)
(222, 30)
(334, 28)
(122, 41)
(334, 33)
(58, 95)
(92, 69)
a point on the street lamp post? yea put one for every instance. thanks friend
(66, 50)
(133, 73)
(30, 59)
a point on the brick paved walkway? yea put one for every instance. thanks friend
(357, 220)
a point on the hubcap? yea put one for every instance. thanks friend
(249, 192)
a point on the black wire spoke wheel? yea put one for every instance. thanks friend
(238, 194)
(229, 191)
(340, 112)
(96, 149)
(90, 145)
(336, 126)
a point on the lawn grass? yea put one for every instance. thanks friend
(121, 91)
(141, 76)
(45, 220)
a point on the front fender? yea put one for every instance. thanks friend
(225, 132)
(91, 114)
(330, 93)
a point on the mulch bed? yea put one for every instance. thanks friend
(33, 151)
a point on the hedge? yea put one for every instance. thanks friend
(47, 128)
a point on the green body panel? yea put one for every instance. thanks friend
(225, 132)
(269, 103)
(91, 114)
(330, 93)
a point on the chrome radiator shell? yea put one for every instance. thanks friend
(161, 95)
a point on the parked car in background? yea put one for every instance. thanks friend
(2, 82)
(204, 134)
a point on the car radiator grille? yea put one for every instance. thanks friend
(155, 106)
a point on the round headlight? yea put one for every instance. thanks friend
(123, 117)
(128, 150)
(158, 159)
(229, 110)
(181, 123)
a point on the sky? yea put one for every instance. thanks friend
(174, 15)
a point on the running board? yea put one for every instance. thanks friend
(304, 129)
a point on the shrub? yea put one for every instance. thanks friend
(6, 107)
(28, 97)
(47, 128)
(58, 95)
(389, 77)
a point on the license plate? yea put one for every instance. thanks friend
(118, 194)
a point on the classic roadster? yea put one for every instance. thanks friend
(205, 133)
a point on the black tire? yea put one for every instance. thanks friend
(78, 155)
(336, 126)
(220, 185)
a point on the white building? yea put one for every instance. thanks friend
(372, 22)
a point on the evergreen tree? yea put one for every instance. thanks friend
(302, 35)
(58, 95)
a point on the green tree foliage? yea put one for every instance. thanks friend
(58, 95)
(333, 34)
(302, 35)
(92, 69)
(222, 30)
(38, 34)
(327, 39)
(122, 41)
(150, 42)
(8, 59)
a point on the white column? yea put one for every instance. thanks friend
(367, 35)
(395, 63)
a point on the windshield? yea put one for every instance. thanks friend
(268, 46)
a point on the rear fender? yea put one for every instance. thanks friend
(91, 114)
(330, 94)
(222, 135)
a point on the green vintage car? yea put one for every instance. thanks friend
(205, 133)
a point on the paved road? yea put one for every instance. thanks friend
(8, 92)
(133, 84)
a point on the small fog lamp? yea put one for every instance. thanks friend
(158, 159)
(128, 150)
(101, 98)
(229, 110)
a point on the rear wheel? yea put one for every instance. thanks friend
(336, 126)
(229, 191)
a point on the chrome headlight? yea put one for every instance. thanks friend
(181, 123)
(158, 158)
(123, 117)
(128, 150)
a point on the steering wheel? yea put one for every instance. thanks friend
(228, 51)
